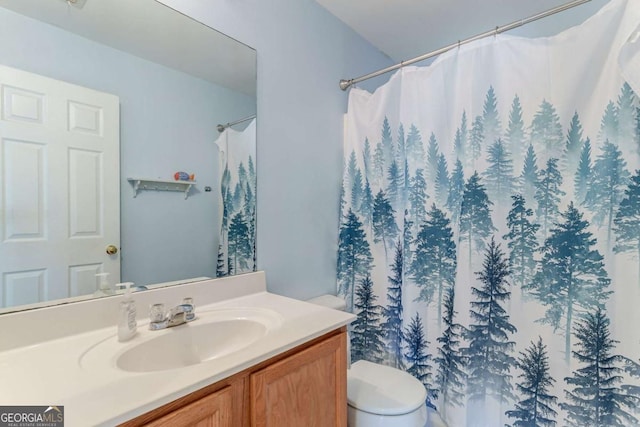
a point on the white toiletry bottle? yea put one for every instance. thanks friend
(127, 323)
(103, 287)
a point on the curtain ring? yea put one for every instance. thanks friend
(495, 33)
(458, 44)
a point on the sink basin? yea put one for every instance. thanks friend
(212, 335)
(190, 344)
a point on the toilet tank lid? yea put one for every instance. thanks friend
(383, 390)
(330, 301)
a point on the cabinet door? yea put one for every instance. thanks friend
(214, 410)
(306, 389)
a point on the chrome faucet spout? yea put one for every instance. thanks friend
(159, 319)
(178, 314)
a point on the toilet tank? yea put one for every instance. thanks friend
(330, 301)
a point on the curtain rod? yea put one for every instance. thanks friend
(345, 84)
(221, 128)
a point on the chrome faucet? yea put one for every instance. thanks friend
(161, 319)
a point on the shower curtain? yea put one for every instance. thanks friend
(237, 201)
(489, 234)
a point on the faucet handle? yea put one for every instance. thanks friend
(191, 314)
(156, 313)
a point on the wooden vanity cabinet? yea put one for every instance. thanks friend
(305, 386)
(304, 389)
(215, 409)
(218, 405)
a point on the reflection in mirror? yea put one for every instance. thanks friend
(103, 104)
(237, 249)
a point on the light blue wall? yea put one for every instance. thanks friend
(164, 237)
(303, 52)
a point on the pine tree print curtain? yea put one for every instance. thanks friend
(490, 226)
(237, 201)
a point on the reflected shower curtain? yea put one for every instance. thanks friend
(237, 247)
(490, 226)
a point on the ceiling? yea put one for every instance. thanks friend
(404, 29)
(148, 29)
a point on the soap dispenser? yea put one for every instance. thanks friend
(103, 288)
(127, 323)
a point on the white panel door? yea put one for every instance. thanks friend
(59, 188)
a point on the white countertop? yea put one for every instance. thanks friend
(51, 373)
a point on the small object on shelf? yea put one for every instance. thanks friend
(140, 184)
(183, 176)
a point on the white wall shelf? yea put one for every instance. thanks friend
(160, 185)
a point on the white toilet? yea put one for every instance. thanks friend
(378, 395)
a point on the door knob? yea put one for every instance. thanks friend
(112, 249)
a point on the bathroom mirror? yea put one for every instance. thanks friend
(102, 103)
